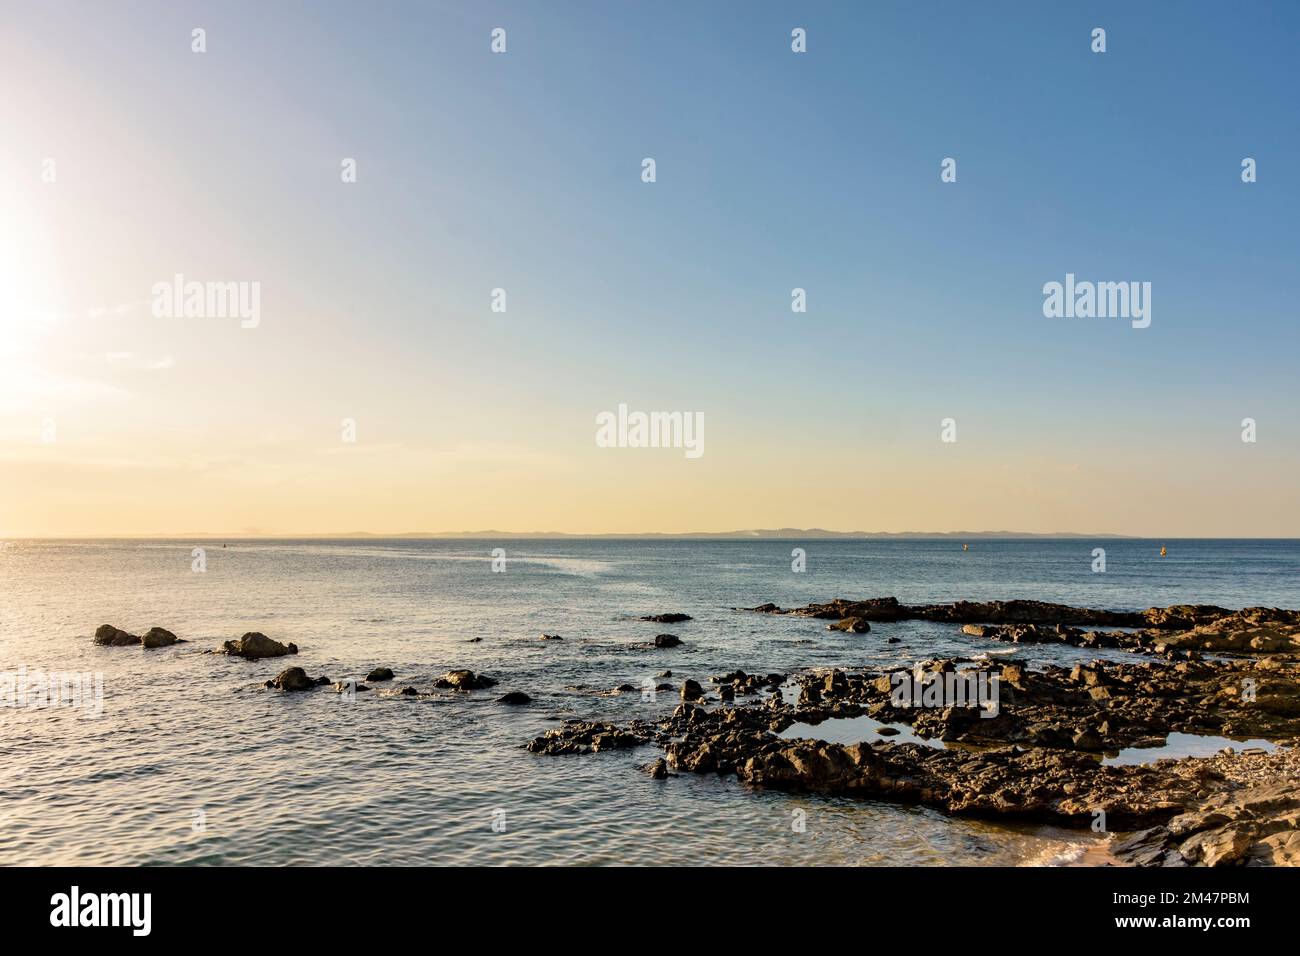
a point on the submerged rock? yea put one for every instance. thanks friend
(667, 640)
(853, 625)
(673, 618)
(295, 678)
(380, 673)
(343, 686)
(579, 736)
(552, 637)
(464, 680)
(159, 637)
(256, 646)
(109, 636)
(515, 697)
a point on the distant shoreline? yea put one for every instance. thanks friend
(784, 534)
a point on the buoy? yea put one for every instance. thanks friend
(1163, 552)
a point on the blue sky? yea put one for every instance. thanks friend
(775, 170)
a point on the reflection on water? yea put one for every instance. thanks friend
(852, 730)
(194, 762)
(1178, 745)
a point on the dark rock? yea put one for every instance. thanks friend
(853, 625)
(380, 673)
(1087, 739)
(674, 618)
(295, 678)
(464, 680)
(159, 637)
(667, 640)
(109, 636)
(552, 637)
(408, 692)
(514, 697)
(691, 690)
(584, 737)
(342, 687)
(255, 646)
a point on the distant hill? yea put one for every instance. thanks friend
(805, 534)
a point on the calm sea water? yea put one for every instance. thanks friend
(192, 762)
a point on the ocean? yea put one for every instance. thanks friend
(193, 762)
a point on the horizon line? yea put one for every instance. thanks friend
(743, 534)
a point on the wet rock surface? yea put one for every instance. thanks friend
(380, 674)
(106, 635)
(580, 737)
(464, 680)
(256, 646)
(159, 637)
(348, 686)
(1096, 706)
(1158, 630)
(853, 625)
(673, 618)
(960, 612)
(295, 678)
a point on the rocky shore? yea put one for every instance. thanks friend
(1157, 630)
(1040, 753)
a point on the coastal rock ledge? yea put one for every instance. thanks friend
(1039, 759)
(1158, 630)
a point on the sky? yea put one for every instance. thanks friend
(523, 171)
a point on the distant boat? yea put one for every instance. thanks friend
(1163, 551)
